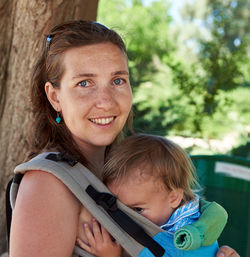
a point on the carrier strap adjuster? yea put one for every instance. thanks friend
(106, 200)
(57, 157)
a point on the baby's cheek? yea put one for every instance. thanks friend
(153, 218)
(147, 215)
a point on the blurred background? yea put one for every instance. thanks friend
(190, 70)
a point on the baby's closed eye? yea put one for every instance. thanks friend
(138, 209)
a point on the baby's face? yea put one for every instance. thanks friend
(145, 194)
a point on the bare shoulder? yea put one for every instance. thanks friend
(42, 189)
(45, 217)
(36, 183)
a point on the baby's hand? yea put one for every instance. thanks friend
(99, 242)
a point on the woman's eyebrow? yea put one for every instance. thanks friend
(121, 72)
(81, 75)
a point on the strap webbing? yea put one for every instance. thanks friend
(16, 179)
(108, 202)
(8, 209)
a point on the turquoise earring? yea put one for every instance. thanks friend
(58, 118)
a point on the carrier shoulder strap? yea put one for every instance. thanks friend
(8, 209)
(132, 230)
(9, 198)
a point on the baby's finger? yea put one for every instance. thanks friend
(83, 245)
(97, 232)
(107, 238)
(89, 235)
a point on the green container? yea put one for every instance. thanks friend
(226, 180)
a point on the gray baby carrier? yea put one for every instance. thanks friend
(133, 231)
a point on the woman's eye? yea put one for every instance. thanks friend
(138, 209)
(83, 83)
(119, 81)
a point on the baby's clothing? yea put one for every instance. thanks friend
(184, 215)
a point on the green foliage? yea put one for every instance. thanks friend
(189, 82)
(221, 57)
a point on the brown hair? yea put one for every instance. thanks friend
(167, 161)
(47, 133)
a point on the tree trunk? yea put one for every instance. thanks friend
(22, 24)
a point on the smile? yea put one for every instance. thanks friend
(102, 121)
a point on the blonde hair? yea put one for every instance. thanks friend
(167, 161)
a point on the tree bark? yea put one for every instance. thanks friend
(22, 25)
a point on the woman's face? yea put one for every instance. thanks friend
(95, 94)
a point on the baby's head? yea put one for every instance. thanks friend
(150, 174)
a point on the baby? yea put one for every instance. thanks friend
(154, 177)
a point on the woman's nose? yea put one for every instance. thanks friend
(105, 99)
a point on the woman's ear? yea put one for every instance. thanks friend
(175, 197)
(52, 95)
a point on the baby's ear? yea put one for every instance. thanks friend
(175, 197)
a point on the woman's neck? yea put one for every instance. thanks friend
(95, 157)
(96, 160)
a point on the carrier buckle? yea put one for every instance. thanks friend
(107, 201)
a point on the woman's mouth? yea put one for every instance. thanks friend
(102, 121)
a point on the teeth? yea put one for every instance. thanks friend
(102, 121)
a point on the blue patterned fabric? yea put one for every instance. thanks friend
(185, 215)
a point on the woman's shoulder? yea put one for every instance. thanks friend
(45, 176)
(41, 184)
(46, 205)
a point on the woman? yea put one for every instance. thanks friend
(81, 98)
